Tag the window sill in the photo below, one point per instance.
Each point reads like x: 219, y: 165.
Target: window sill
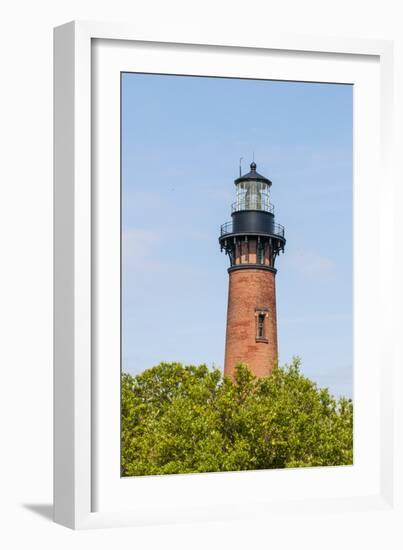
x: 264, y: 340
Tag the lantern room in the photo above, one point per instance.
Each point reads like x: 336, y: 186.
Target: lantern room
x: 252, y: 192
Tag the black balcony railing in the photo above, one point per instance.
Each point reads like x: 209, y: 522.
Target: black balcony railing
x: 277, y: 229
x: 226, y: 228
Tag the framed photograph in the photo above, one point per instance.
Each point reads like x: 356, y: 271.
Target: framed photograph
x: 224, y: 282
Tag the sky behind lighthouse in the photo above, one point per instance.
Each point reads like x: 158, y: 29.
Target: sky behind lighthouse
x: 182, y: 138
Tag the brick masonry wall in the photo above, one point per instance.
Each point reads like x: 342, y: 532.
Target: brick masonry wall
x: 251, y: 291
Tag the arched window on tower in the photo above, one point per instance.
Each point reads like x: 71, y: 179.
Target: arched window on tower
x: 261, y: 321
x: 260, y: 325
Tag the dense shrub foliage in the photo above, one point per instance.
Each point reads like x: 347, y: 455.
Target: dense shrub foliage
x: 182, y: 419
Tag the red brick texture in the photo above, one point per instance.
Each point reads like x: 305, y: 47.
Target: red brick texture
x: 251, y: 292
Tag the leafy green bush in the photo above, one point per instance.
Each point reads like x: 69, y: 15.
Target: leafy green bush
x: 183, y: 419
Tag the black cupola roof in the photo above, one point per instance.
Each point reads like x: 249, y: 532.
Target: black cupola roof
x: 253, y: 176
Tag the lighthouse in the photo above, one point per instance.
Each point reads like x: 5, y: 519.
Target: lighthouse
x: 252, y: 240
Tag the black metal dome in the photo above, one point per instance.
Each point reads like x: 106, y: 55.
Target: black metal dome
x: 253, y: 176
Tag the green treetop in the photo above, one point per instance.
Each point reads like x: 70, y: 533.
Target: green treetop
x: 183, y: 419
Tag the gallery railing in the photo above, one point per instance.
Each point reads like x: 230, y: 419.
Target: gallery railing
x: 277, y: 229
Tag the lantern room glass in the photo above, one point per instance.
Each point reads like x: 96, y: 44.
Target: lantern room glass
x: 252, y: 195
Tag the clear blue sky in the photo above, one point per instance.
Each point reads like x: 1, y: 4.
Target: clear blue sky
x: 182, y: 138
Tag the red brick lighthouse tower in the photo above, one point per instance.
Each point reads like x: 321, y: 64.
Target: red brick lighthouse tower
x: 252, y: 241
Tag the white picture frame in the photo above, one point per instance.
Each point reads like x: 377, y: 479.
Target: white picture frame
x: 88, y: 491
